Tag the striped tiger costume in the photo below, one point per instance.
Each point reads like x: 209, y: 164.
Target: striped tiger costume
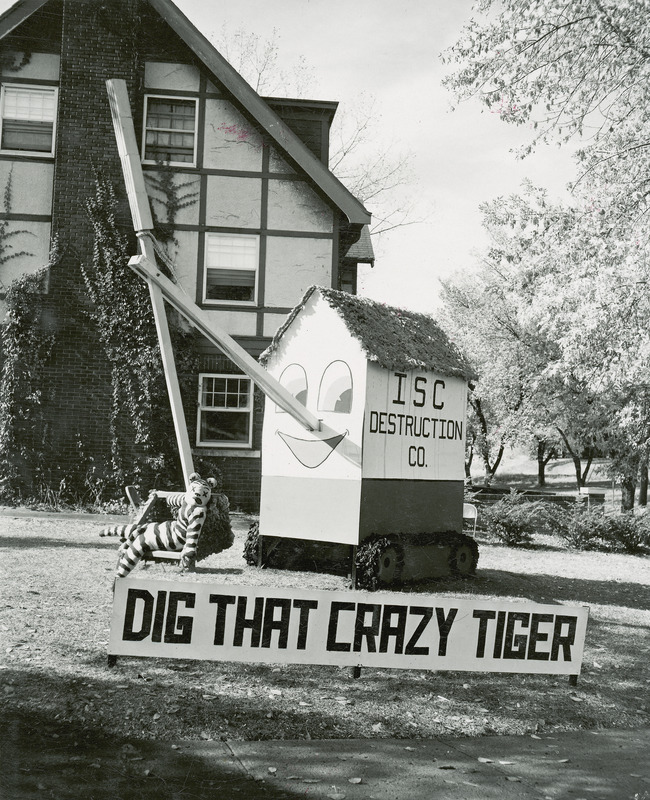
x: 180, y: 533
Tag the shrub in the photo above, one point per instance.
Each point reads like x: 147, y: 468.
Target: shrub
x: 586, y: 529
x: 626, y: 533
x: 513, y: 519
x: 581, y: 528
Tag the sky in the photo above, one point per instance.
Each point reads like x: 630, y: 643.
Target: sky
x: 391, y: 52
x: 460, y: 158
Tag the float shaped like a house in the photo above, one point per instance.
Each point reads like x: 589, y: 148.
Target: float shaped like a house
x: 386, y: 468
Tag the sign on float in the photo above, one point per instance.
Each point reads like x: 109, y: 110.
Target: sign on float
x: 161, y: 619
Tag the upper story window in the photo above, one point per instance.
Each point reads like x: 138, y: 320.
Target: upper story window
x: 170, y: 130
x: 28, y: 117
x: 231, y: 264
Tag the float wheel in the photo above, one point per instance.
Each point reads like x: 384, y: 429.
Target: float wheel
x: 464, y: 558
x: 252, y: 545
x: 379, y: 563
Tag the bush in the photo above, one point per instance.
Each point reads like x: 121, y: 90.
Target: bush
x: 513, y: 519
x: 585, y: 529
x: 626, y: 533
x: 581, y: 528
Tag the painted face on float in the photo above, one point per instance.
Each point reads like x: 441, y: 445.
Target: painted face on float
x: 335, y: 394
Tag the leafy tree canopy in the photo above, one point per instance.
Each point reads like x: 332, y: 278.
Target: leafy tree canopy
x: 573, y: 71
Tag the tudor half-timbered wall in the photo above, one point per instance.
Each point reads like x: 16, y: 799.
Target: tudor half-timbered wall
x: 248, y: 232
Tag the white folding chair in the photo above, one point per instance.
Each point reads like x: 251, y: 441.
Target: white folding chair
x: 470, y: 513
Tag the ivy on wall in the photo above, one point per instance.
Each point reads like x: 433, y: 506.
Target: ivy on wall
x: 26, y: 346
x: 173, y: 197
x: 142, y: 437
x: 143, y: 445
x: 7, y: 251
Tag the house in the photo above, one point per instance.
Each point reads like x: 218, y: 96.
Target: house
x: 242, y: 183
x: 391, y: 391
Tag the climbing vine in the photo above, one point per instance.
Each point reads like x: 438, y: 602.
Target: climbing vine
x: 140, y: 422
x: 7, y: 251
x: 173, y: 198
x: 26, y: 345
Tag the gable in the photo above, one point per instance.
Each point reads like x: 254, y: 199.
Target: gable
x: 269, y: 122
x: 242, y: 95
x: 393, y: 338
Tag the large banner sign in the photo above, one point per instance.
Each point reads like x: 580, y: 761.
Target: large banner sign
x: 294, y: 626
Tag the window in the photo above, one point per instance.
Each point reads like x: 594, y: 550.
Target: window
x: 28, y: 115
x: 231, y: 268
x: 225, y: 411
x: 348, y: 279
x: 170, y: 130
x: 335, y: 393
x: 294, y: 380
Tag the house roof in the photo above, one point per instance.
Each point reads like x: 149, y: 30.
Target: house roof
x: 241, y: 92
x: 17, y: 14
x: 394, y: 338
x: 361, y: 251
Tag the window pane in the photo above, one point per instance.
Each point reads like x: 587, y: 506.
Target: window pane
x: 224, y: 413
x: 28, y: 119
x: 224, y: 427
x: 231, y: 268
x: 166, y: 119
x: 219, y: 288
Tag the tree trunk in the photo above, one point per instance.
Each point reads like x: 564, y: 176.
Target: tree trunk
x: 585, y: 471
x: 484, y: 448
x: 643, y: 481
x: 543, y: 458
x: 541, y: 464
x: 577, y: 465
x: 628, y: 486
x: 469, y: 457
x: 490, y: 470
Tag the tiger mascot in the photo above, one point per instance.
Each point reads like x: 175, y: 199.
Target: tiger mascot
x: 180, y: 533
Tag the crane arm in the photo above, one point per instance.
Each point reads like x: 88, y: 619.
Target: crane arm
x: 235, y: 352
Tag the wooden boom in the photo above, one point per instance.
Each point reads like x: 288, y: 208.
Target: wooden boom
x: 161, y: 287
x: 235, y: 352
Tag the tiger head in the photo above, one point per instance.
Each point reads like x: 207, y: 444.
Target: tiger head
x: 199, y: 490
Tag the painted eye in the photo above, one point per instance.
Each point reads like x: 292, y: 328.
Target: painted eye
x: 335, y: 393
x: 294, y: 380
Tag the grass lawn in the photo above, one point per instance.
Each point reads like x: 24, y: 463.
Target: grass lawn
x: 55, y: 615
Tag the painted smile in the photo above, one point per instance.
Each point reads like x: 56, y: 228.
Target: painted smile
x: 311, y: 453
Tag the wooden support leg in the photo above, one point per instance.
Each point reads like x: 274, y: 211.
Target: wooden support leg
x: 353, y: 567
x: 573, y: 680
x: 111, y: 660
x: 356, y: 671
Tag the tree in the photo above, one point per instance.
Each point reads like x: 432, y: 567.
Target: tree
x: 573, y: 72
x: 578, y: 73
x: 478, y: 315
x: 375, y: 171
x: 546, y: 335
